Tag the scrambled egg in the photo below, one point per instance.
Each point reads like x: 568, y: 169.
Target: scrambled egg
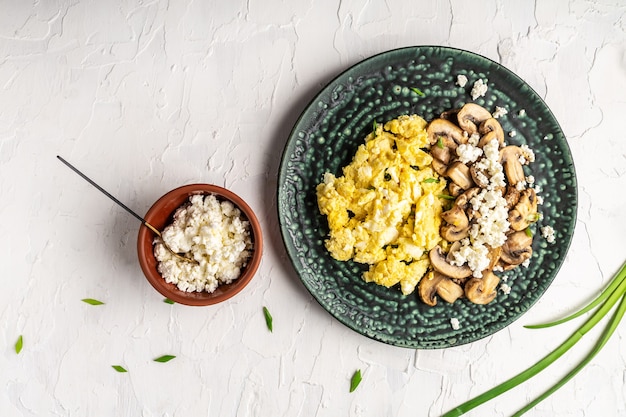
x: 385, y: 210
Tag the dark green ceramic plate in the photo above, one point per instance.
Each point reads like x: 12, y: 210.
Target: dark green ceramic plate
x: 326, y: 137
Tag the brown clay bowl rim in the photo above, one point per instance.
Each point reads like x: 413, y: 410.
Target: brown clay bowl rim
x: 160, y: 215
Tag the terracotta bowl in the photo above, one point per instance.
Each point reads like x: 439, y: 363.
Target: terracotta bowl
x: 160, y: 215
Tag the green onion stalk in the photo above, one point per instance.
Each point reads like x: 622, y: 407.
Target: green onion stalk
x: 615, y: 291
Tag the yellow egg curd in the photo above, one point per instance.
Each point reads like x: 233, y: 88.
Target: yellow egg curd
x: 385, y: 209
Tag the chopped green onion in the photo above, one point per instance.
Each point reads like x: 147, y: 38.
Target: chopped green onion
x: 119, y: 368
x: 446, y: 197
x: 374, y: 126
x: 533, y: 217
x: 608, y: 300
x: 529, y: 232
x: 164, y: 358
x: 92, y: 302
x: 168, y: 301
x: 387, y: 176
x: 440, y: 142
x: 418, y: 91
x: 268, y: 319
x: 356, y: 380
x: 371, y: 187
x: 431, y: 180
x: 19, y: 344
x: 415, y: 167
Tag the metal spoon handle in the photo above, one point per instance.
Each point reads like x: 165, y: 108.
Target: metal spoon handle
x: 105, y: 192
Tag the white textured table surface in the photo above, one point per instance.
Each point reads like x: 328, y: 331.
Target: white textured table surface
x: 148, y: 95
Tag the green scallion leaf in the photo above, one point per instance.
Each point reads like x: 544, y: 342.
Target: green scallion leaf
x: 92, y: 302
x: 168, y: 301
x: 415, y: 167
x: 19, y: 344
x: 619, y: 278
x: 119, y: 368
x: 430, y: 180
x: 440, y: 143
x: 418, y: 91
x: 268, y: 319
x: 164, y: 358
x: 374, y: 126
x: 615, y: 320
x: 529, y: 232
x: 356, y: 380
x: 619, y: 292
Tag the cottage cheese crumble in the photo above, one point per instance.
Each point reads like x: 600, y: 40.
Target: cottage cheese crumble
x: 479, y: 89
x: 491, y: 227
x: 548, y: 233
x: 454, y: 322
x: 215, y: 234
x: 500, y: 111
x: 461, y: 80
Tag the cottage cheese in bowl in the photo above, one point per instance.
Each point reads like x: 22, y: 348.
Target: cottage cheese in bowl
x: 215, y: 234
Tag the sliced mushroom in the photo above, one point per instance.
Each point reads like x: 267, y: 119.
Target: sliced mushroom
x: 510, y: 159
x: 449, y: 290
x: 464, y: 199
x: 517, y: 248
x: 491, y: 125
x: 479, y: 177
x: 440, y: 264
x: 454, y: 189
x: 457, y: 224
x: 450, y: 115
x: 485, y: 139
x: 455, y: 217
x: 490, y: 129
x: 445, y: 129
x: 494, y: 256
x: 453, y: 248
x: 482, y: 290
x: 445, y: 151
x: 512, y: 196
x: 460, y: 174
x: 427, y: 288
x: 525, y: 211
x: 471, y: 116
x: 452, y: 233
x: 439, y: 167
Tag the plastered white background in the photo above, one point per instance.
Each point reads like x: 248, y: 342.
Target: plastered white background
x: 145, y: 96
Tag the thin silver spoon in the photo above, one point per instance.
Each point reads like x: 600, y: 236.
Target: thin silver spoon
x: 138, y: 217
